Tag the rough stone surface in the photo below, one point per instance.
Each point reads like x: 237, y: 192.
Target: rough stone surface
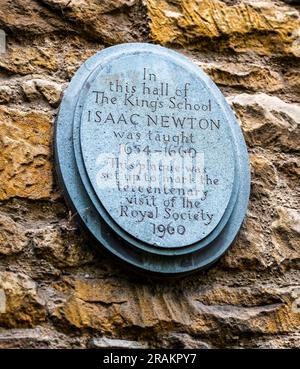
x: 61, y: 247
x: 286, y: 235
x: 5, y: 94
x: 26, y: 60
x: 105, y: 342
x: 25, y: 166
x: 260, y: 26
x: 49, y: 90
x: 12, y: 236
x: 268, y: 121
x: 56, y: 289
x: 252, y: 77
x: 23, y: 305
x: 38, y: 337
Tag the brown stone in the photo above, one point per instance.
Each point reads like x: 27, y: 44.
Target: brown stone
x: 264, y: 175
x: 244, y: 76
x: 25, y: 166
x: 264, y: 310
x: 269, y: 319
x: 290, y: 167
x: 23, y: 306
x: 62, y: 246
x: 35, y: 88
x: 268, y: 122
x: 30, y: 90
x: 12, y: 236
x: 51, y: 91
x: 73, y: 59
x: 37, y: 338
x: 243, y: 296
x: 5, y: 94
x: 286, y: 341
x: 111, y: 292
x: 292, y: 77
x: 30, y: 17
x: 263, y: 27
x: 182, y: 341
x: 286, y: 236
x: 250, y: 248
x: 107, y: 305
x: 110, y: 21
x: 25, y: 59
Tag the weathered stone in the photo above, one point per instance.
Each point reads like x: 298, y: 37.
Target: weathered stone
x: 30, y: 90
x: 292, y: 77
x: 286, y: 235
x: 183, y: 341
x: 290, y: 167
x: 2, y: 302
x: 241, y: 296
x: 24, y: 307
x: 38, y: 337
x: 111, y: 21
x: 74, y: 58
x: 25, y: 60
x: 107, y: 304
x: 62, y: 246
x: 50, y: 90
x: 12, y: 236
x: 105, y: 342
x: 25, y: 167
x: 249, y: 250
x: 151, y: 308
x: 262, y: 27
x: 272, y: 314
x: 268, y: 122
x: 274, y: 342
x: 110, y: 292
x: 5, y: 94
x: 30, y: 17
x: 36, y: 88
x: 244, y: 76
x: 41, y: 270
x: 264, y: 175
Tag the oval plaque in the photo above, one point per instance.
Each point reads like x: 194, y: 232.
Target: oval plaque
x: 152, y: 158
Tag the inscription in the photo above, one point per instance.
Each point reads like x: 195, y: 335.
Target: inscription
x: 157, y: 149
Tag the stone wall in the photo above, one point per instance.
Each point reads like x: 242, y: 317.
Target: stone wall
x: 56, y: 289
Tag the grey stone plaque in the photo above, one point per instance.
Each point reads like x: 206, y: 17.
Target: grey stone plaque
x: 152, y: 159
